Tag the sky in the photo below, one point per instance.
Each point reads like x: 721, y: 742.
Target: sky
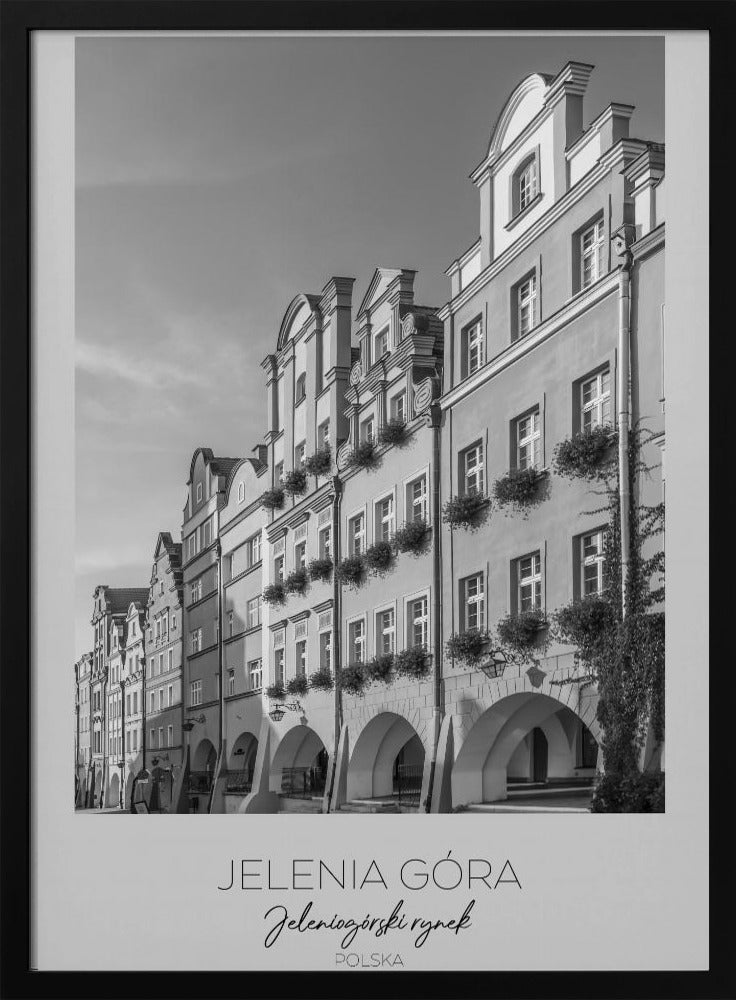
x: 216, y: 178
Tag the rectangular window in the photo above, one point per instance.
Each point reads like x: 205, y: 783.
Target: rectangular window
x: 278, y: 473
x: 323, y: 435
x: 380, y: 344
x: 254, y: 612
x: 195, y: 692
x: 356, y: 641
x: 152, y: 702
x: 299, y: 454
x: 300, y: 555
x: 135, y: 739
x: 278, y: 569
x: 528, y: 441
x: 161, y: 737
x: 366, y: 430
x: 153, y: 739
x: 301, y: 658
x: 160, y: 699
x: 230, y: 623
x: 325, y: 542
x: 231, y: 682
x: 595, y: 400
x: 529, y: 583
x: 386, y: 631
x: 171, y: 694
x: 416, y: 500
x: 278, y: 666
x: 473, y: 602
x: 474, y: 348
x: 195, y: 591
x: 196, y: 640
x: 592, y: 561
x: 398, y: 407
x: 170, y: 734
x: 160, y: 663
x: 254, y: 550
x: 385, y: 525
x: 526, y: 305
x: 592, y: 245
x: 170, y: 660
x: 135, y: 703
x: 325, y: 650
x: 418, y: 622
x: 356, y: 534
x: 255, y: 673
x: 300, y: 391
x: 527, y: 182
x: 471, y: 469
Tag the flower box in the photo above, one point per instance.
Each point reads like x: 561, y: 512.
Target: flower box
x: 274, y: 593
x: 584, y: 455
x: 380, y: 669
x: 295, y: 481
x: 468, y: 646
x: 274, y: 498
x: 320, y: 463
x: 353, y: 678
x: 379, y: 557
x: 364, y: 455
x: 518, y: 488
x: 521, y: 633
x: 296, y: 582
x: 351, y: 571
x: 322, y: 680
x: 276, y: 692
x: 393, y: 432
x: 466, y: 510
x: 320, y: 569
x: 412, y: 662
x: 412, y: 537
x: 298, y: 685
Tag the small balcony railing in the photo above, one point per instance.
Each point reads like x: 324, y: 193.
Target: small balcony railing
x: 303, y: 782
x: 408, y: 783
x: 199, y: 783
x: 239, y: 782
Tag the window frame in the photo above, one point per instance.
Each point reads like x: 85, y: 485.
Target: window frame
x: 381, y: 631
x: 410, y: 620
x: 531, y: 440
x: 473, y: 338
x: 596, y: 251
x: 523, y: 301
x: 478, y: 473
x: 535, y: 579
x: 380, y: 521
x: 357, y: 644
x: 602, y: 400
x: 478, y: 599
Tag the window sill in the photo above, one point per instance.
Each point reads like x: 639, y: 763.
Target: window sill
x: 512, y: 223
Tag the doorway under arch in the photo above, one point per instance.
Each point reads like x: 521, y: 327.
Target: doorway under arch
x: 388, y: 760
x: 299, y: 766
x: 113, y: 791
x: 241, y: 764
x: 525, y: 737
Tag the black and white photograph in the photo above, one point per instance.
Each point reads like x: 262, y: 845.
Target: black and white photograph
x: 370, y: 459
x: 363, y: 472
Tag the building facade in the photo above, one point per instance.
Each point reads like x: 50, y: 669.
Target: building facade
x: 406, y: 504
x: 82, y: 728
x: 160, y: 705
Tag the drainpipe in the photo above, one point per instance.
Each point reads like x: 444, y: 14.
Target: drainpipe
x: 438, y: 703
x: 123, y: 684
x: 623, y: 406
x: 336, y: 619
x: 221, y: 750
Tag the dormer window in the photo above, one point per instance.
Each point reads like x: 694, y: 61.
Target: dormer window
x: 301, y: 388
x: 381, y: 344
x: 525, y: 184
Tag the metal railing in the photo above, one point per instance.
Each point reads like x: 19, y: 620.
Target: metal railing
x: 408, y: 783
x: 239, y: 781
x: 303, y: 782
x: 199, y: 783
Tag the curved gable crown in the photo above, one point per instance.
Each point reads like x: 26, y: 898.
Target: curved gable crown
x: 300, y: 309
x: 524, y: 104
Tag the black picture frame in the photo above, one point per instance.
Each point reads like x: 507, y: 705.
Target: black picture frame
x: 18, y: 19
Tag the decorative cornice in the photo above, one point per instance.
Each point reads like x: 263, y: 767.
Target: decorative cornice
x: 648, y: 244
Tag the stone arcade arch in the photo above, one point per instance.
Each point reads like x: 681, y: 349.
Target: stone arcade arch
x: 241, y: 763
x: 500, y: 745
x: 299, y: 764
x: 371, y: 769
x: 113, y: 791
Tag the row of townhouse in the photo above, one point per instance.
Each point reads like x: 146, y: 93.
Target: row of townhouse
x: 323, y: 577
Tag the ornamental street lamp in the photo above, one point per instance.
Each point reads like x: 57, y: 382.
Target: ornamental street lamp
x: 493, y: 661
x: 278, y: 711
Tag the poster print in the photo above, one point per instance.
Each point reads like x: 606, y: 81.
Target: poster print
x: 370, y: 488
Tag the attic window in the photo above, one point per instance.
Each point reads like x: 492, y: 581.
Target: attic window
x: 241, y: 491
x: 301, y: 388
x: 524, y: 185
x: 199, y: 492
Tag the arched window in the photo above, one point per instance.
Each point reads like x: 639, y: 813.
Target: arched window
x: 301, y: 388
x: 524, y: 184
x: 241, y: 491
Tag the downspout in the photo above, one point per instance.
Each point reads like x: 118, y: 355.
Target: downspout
x: 143, y: 720
x: 123, y: 685
x: 221, y: 706
x: 438, y: 700
x: 336, y: 619
x: 624, y: 418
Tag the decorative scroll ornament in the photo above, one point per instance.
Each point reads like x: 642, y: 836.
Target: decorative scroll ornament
x: 356, y: 373
x: 407, y: 325
x: 342, y: 455
x: 535, y: 675
x: 423, y: 395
